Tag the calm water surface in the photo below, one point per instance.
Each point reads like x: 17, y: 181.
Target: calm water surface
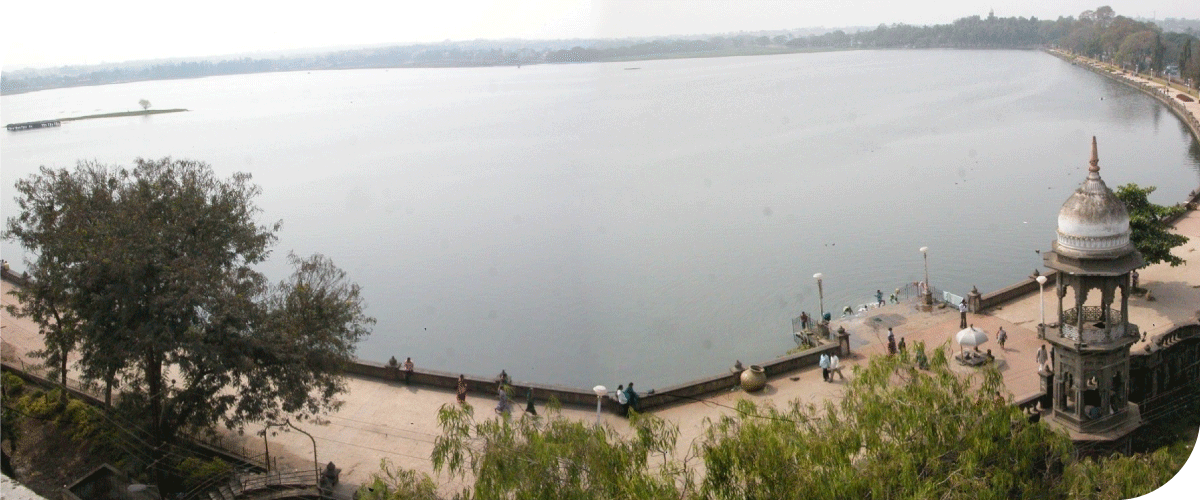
x: 584, y: 224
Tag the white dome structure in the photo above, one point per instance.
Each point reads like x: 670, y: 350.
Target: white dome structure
x: 1093, y: 223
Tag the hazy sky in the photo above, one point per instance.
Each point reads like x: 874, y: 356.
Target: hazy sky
x: 54, y: 33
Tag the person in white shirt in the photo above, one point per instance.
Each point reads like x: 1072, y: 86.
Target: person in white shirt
x: 835, y: 367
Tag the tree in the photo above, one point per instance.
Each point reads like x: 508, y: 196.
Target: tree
x: 144, y: 103
x: 898, y: 432
x: 155, y: 267
x: 1149, y: 234
x: 1185, y: 57
x: 556, y: 458
x: 52, y: 206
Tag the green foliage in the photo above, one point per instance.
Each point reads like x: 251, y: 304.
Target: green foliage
x: 1119, y: 476
x: 43, y: 405
x: 392, y: 483
x: 198, y: 471
x: 898, y: 432
x: 83, y: 420
x: 552, y: 457
x: 12, y: 385
x: 144, y: 269
x: 1149, y: 234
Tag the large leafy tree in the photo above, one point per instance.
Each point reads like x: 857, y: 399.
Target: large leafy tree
x: 1149, y: 234
x: 149, y: 274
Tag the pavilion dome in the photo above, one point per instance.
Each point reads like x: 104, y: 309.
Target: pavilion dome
x: 1093, y: 223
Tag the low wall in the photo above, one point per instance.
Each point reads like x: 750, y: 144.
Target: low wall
x: 577, y: 397
x: 1011, y: 292
x: 7, y: 275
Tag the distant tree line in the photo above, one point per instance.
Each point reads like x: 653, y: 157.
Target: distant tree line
x: 1096, y: 33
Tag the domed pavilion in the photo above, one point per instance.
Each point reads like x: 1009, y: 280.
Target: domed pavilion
x: 1094, y: 258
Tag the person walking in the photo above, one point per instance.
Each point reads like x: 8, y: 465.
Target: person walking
x: 408, y: 370
x: 1001, y: 337
x: 461, y: 392
x: 803, y: 320
x: 835, y: 366
x: 1041, y: 356
x: 623, y: 400
x: 824, y: 367
x: 962, y: 313
x: 503, y: 405
x: 903, y: 346
x: 529, y: 403
x: 879, y: 298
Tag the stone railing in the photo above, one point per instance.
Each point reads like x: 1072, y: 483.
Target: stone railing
x: 1093, y: 335
x: 581, y: 397
x: 1090, y: 313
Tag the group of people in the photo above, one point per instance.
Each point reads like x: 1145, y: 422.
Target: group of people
x: 628, y: 398
x: 972, y: 357
x: 407, y: 368
x: 829, y: 366
x: 1043, y: 356
x: 892, y: 346
x: 503, y: 390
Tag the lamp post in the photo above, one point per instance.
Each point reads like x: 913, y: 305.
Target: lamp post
x: 600, y: 392
x: 821, y: 294
x: 927, y: 296
x: 1042, y: 299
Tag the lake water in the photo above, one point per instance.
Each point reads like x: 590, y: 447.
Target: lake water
x: 584, y: 224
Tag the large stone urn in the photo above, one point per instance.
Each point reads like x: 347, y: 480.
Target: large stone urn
x: 754, y: 379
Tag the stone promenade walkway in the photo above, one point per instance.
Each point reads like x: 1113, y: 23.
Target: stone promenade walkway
x: 389, y: 420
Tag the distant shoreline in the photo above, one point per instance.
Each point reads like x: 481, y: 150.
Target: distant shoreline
x: 54, y: 122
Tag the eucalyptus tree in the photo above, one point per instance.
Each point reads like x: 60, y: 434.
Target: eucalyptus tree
x: 553, y: 457
x: 898, y: 432
x: 152, y: 269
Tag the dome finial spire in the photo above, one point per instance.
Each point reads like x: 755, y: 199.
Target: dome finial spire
x: 1095, y: 161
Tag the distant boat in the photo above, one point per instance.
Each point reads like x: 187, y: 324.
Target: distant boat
x: 631, y: 68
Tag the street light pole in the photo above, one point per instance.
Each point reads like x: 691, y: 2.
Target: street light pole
x: 927, y: 297
x: 600, y: 392
x: 1042, y: 299
x: 821, y: 294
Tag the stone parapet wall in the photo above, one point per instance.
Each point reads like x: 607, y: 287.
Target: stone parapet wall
x: 684, y: 392
x: 1012, y: 292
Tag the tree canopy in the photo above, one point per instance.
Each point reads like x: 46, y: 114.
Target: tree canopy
x: 148, y: 274
x: 1149, y: 234
x: 897, y: 432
